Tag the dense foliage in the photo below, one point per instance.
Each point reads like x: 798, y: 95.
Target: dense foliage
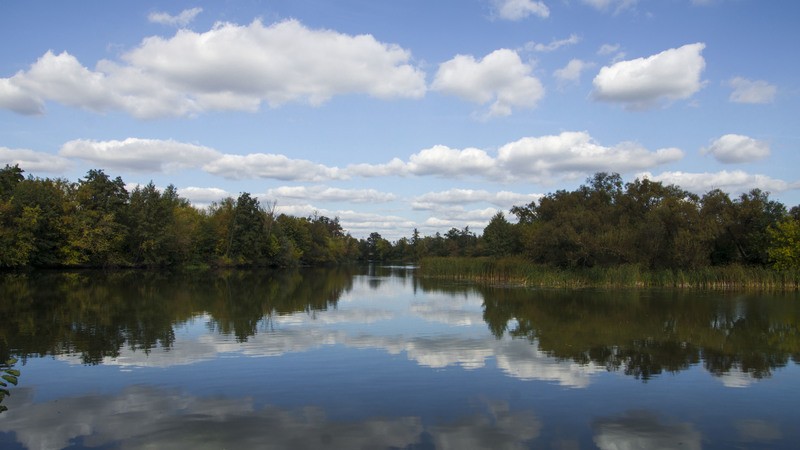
x: 96, y: 222
x: 603, y: 223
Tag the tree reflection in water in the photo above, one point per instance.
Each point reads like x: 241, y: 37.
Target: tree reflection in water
x: 641, y: 333
x: 645, y: 333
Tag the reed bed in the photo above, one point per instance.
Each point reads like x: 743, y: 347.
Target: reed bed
x: 519, y: 271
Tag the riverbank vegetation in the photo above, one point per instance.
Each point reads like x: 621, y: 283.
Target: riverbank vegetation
x: 640, y: 233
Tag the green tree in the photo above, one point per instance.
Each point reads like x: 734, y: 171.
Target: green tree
x: 10, y: 176
x: 785, y: 248
x: 97, y: 230
x: 753, y: 215
x: 500, y: 237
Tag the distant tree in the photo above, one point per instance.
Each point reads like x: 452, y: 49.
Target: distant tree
x: 10, y: 176
x: 500, y: 236
x: 785, y: 248
x: 97, y: 231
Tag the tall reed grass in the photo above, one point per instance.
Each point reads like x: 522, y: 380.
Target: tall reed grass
x: 519, y: 271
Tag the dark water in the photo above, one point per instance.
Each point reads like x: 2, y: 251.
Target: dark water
x: 374, y: 358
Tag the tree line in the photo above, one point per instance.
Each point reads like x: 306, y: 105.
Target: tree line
x: 96, y: 222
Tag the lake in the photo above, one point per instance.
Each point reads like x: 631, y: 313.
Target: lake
x: 373, y: 357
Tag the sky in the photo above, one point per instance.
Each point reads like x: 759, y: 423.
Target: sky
x: 394, y: 115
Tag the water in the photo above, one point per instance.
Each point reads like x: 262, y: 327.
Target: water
x: 375, y: 358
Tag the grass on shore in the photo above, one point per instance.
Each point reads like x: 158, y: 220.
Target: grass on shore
x: 518, y: 271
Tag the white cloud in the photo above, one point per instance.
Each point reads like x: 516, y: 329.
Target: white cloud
x: 503, y: 199
x: 607, y: 49
x: 201, y: 197
x: 733, y: 182
x: 519, y: 9
x: 540, y: 158
x: 329, y: 194
x: 735, y: 148
x: 230, y: 67
x: 274, y: 166
x: 537, y: 159
x: 184, y: 18
x: 445, y: 161
x: 459, y: 217
x: 282, y: 62
x: 60, y: 78
x: 552, y: 46
x: 15, y: 98
x: 362, y: 224
x: 500, y: 77
x: 571, y: 73
x: 605, y: 5
x: 643, y: 82
x: 33, y: 161
x: 748, y: 91
x: 140, y: 154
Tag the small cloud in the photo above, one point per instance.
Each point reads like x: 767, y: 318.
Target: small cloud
x: 519, y: 9
x: 553, y: 45
x: 181, y: 20
x: 607, y: 49
x: 500, y: 77
x: 571, y: 73
x: 735, y: 148
x: 617, y: 5
x: 643, y: 82
x: 748, y: 91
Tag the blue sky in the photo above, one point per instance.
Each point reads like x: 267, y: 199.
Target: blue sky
x: 393, y: 115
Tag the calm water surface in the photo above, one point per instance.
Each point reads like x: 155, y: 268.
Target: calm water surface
x: 375, y: 358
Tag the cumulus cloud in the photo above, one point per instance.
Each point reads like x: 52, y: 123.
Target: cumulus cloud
x: 14, y: 98
x: 33, y: 161
x: 140, y: 154
x: 445, y: 161
x: 571, y: 73
x: 642, y: 83
x: 269, y: 165
x: 531, y: 158
x: 230, y: 67
x: 519, y: 9
x: 732, y: 182
x: 749, y: 91
x: 59, y: 78
x: 540, y: 158
x: 537, y: 159
x: 500, y: 78
x: 184, y: 18
x: 552, y: 46
x: 735, y: 148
